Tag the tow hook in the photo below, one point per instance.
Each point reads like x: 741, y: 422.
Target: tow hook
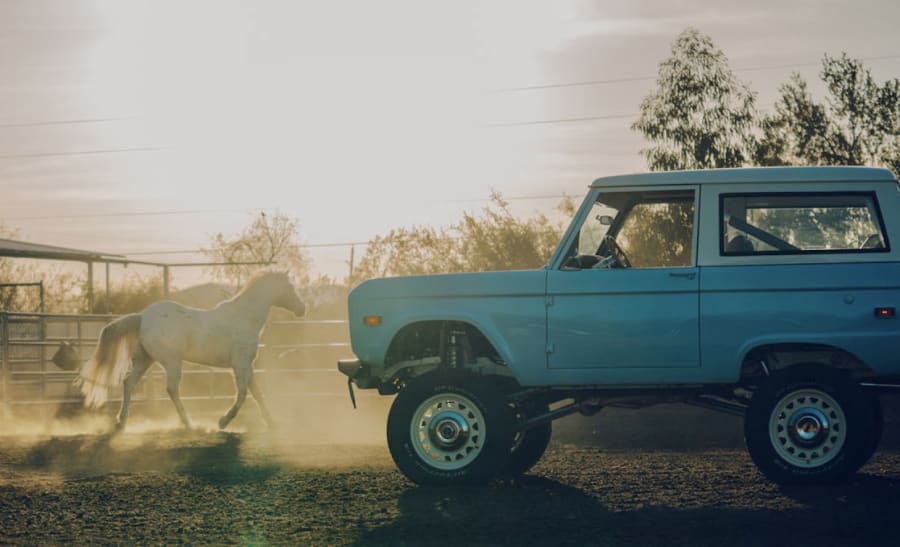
x: 350, y: 368
x: 350, y: 389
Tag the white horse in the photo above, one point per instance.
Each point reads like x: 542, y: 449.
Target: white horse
x: 167, y: 332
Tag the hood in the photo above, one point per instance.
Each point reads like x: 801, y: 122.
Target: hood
x: 453, y: 285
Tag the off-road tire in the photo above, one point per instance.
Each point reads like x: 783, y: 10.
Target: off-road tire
x: 874, y: 432
x: 529, y: 445
x: 808, y: 424
x: 450, y: 427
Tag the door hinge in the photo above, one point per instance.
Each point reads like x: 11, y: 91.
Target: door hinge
x: 551, y: 348
x: 549, y: 301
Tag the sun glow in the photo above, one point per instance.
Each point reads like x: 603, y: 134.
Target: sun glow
x: 354, y: 118
x: 261, y: 106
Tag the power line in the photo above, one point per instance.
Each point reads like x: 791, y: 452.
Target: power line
x: 255, y: 210
x: 63, y: 122
x: 138, y: 213
x: 621, y: 80
x: 221, y: 211
x: 573, y: 84
x: 610, y: 81
x: 346, y: 244
x: 333, y: 244
x: 82, y: 152
x: 512, y: 198
x: 174, y: 252
x: 561, y: 120
x: 585, y: 83
x: 195, y: 251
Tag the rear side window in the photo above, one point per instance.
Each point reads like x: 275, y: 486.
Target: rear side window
x: 801, y: 224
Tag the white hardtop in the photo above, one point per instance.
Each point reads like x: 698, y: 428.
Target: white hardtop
x: 745, y: 175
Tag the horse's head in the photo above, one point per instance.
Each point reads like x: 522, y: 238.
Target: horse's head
x: 286, y: 296
x: 274, y: 289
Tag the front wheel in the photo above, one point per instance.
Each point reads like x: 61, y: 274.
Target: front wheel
x: 874, y: 432
x: 450, y: 428
x: 528, y: 445
x: 807, y: 425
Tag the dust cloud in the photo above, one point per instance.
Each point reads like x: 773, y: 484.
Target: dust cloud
x: 316, y: 424
x: 311, y: 433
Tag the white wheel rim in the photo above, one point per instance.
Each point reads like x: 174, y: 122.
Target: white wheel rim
x: 448, y: 431
x: 807, y: 428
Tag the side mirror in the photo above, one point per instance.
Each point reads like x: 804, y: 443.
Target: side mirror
x: 571, y: 263
x: 605, y: 220
x: 581, y: 262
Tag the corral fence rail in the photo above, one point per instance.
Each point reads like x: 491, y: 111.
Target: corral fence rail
x: 296, y: 358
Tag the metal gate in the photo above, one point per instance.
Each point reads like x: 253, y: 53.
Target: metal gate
x: 291, y: 353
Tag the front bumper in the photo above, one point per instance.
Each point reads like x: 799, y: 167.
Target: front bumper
x: 349, y: 367
x: 357, y: 372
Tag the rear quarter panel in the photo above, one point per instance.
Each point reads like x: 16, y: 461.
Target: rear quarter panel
x: 743, y: 307
x: 747, y: 301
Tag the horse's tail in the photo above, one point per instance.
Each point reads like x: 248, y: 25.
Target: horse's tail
x: 111, y: 360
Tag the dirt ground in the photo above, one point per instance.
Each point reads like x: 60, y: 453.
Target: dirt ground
x: 155, y: 484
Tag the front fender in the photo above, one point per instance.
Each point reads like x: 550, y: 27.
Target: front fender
x: 508, y: 308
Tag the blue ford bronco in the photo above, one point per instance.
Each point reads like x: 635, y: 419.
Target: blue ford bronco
x: 770, y: 293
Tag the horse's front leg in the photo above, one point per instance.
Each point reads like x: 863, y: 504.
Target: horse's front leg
x: 258, y: 396
x: 173, y: 380
x: 242, y: 377
x: 242, y: 364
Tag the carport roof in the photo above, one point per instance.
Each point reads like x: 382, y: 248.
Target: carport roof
x: 23, y: 249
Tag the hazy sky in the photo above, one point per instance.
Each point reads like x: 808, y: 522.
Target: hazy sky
x: 353, y: 117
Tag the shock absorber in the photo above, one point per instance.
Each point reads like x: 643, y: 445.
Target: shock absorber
x: 459, y: 351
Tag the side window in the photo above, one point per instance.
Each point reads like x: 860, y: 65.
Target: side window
x: 801, y: 223
x: 652, y: 229
x: 658, y: 233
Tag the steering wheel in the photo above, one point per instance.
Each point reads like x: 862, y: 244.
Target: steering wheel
x: 617, y: 252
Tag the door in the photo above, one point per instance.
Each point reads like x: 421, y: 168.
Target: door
x: 634, y: 303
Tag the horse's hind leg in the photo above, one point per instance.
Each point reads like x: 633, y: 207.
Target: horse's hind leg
x: 258, y: 396
x: 173, y: 380
x: 139, y: 365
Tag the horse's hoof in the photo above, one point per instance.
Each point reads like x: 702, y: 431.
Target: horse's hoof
x: 118, y: 428
x: 223, y: 422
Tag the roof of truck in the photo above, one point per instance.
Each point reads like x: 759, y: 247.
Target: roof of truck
x: 778, y: 175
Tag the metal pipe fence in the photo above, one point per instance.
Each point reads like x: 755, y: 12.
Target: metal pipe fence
x: 292, y: 353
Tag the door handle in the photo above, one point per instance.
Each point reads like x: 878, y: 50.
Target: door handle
x: 686, y: 275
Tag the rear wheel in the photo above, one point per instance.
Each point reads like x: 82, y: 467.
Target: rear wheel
x: 450, y: 428
x: 808, y: 425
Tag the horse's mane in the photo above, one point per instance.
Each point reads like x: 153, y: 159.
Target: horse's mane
x: 254, y: 280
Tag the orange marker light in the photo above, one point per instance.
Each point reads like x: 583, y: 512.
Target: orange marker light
x: 372, y: 320
x: 885, y: 313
